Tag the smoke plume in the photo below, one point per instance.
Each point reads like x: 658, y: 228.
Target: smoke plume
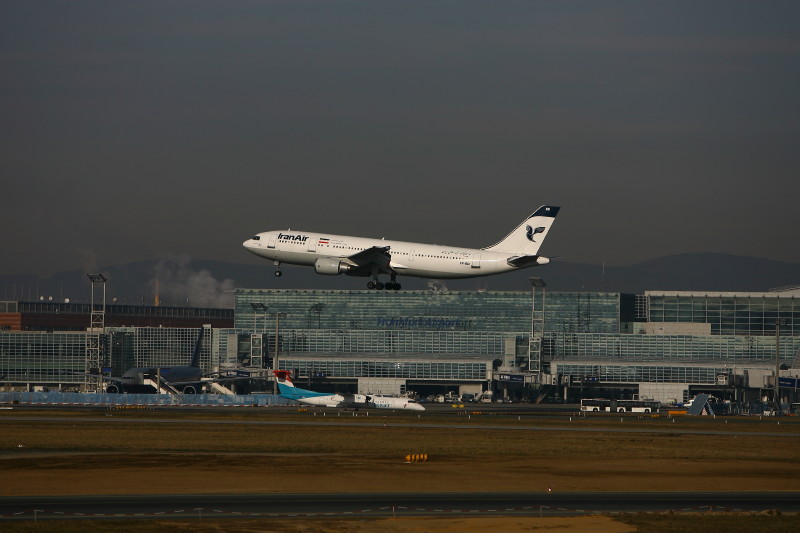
x: 175, y: 283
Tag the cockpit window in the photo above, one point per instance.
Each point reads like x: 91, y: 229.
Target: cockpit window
x: 256, y: 237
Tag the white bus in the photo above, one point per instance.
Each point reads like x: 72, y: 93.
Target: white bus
x: 620, y: 406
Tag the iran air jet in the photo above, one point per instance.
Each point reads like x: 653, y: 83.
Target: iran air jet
x: 359, y: 256
x: 353, y: 401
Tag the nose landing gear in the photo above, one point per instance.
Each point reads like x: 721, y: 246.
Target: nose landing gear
x: 278, y: 272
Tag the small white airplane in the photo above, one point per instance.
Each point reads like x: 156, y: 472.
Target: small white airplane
x: 353, y: 401
x: 360, y: 256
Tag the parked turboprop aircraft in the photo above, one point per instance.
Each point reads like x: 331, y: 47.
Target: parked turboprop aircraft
x: 356, y: 401
x: 359, y: 256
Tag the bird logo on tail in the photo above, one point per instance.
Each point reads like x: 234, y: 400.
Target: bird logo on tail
x: 530, y: 232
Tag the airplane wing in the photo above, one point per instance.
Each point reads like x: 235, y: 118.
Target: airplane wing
x: 377, y: 256
x: 220, y: 379
x: 228, y: 374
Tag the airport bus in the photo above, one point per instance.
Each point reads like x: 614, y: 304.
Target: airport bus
x: 620, y: 406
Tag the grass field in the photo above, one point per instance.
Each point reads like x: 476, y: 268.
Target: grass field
x: 122, y: 452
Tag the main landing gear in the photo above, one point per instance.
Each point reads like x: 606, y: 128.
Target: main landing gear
x: 390, y: 286
x: 278, y: 272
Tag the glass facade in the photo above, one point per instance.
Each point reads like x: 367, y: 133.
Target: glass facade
x: 145, y: 347
x: 58, y: 357
x: 428, y: 311
x: 42, y: 357
x: 741, y: 349
x: 425, y: 335
x: 634, y: 373
x: 439, y: 370
x: 392, y: 342
x: 753, y: 314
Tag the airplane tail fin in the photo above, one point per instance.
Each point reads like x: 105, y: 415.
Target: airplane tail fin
x: 526, y: 238
x: 284, y: 377
x: 198, y: 347
x: 288, y: 390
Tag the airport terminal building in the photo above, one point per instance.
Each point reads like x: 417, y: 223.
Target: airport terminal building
x: 534, y: 345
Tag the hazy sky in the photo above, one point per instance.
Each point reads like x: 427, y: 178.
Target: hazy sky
x: 139, y: 130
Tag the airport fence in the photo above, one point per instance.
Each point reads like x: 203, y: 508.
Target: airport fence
x: 149, y: 400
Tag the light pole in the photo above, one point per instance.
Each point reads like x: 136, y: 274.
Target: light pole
x: 93, y: 365
x: 778, y: 323
x: 277, y: 316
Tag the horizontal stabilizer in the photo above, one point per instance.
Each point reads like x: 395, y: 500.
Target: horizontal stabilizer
x: 522, y: 261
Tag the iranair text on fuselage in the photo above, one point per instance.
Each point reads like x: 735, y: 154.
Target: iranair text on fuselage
x: 294, y: 238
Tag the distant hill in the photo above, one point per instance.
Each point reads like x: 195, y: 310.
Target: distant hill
x: 203, y: 283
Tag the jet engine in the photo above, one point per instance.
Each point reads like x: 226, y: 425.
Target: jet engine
x: 113, y: 389
x: 189, y: 389
x: 331, y: 266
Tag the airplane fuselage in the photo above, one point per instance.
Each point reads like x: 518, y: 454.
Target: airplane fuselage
x: 407, y: 258
x: 362, y: 401
x: 352, y: 401
x: 361, y: 256
x: 136, y: 376
x: 137, y: 380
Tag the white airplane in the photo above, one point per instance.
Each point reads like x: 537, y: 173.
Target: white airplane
x: 360, y: 256
x: 355, y: 401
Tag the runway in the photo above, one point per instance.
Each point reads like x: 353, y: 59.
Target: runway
x: 620, y: 426
x: 388, y: 504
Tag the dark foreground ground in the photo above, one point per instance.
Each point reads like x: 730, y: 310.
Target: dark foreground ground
x: 468, y: 449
